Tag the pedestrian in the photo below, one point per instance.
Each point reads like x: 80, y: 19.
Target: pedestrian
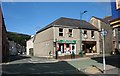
x: 73, y: 54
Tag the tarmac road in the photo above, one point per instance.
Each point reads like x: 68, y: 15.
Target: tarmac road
x: 37, y: 65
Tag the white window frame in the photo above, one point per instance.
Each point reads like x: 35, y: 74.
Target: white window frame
x: 72, y: 32
x: 61, y: 32
x: 93, y: 34
x: 85, y: 35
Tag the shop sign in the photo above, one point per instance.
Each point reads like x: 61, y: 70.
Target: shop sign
x: 67, y: 41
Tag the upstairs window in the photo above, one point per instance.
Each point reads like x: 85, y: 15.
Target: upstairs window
x: 85, y: 34
x: 92, y: 34
x: 60, y: 31
x: 70, y: 33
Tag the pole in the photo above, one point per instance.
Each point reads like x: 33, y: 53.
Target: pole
x: 81, y: 13
x: 103, y: 51
x: 56, y: 51
x: 80, y: 39
x: 81, y: 36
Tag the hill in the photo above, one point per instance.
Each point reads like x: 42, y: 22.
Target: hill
x: 18, y: 38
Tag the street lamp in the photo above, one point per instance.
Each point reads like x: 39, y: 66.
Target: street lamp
x: 81, y: 13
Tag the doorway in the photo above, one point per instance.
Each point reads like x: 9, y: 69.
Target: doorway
x: 61, y: 47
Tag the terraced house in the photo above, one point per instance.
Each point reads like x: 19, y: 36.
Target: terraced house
x: 104, y: 24
x: 66, y: 35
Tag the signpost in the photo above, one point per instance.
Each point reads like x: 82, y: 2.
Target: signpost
x: 103, y: 33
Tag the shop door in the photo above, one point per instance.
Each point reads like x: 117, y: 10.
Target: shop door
x: 61, y: 48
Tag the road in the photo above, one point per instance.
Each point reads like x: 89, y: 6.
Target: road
x: 37, y: 65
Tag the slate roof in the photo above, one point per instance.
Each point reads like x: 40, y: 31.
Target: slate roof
x: 69, y: 22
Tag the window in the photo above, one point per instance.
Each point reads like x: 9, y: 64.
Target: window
x: 70, y: 32
x: 92, y: 34
x: 85, y: 34
x: 60, y: 31
x: 67, y: 45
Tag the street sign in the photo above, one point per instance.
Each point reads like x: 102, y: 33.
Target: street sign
x: 104, y: 33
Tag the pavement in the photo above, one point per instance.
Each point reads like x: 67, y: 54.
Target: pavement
x: 94, y: 65
x: 89, y: 66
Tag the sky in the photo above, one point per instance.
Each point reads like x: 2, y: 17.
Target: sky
x: 29, y: 17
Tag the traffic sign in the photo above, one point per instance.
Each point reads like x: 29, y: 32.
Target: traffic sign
x: 104, y: 33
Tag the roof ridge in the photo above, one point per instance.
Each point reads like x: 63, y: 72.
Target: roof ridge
x: 64, y: 21
x: 72, y: 18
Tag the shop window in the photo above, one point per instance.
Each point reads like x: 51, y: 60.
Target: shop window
x: 70, y: 32
x: 85, y: 34
x: 60, y: 31
x: 67, y: 45
x: 92, y: 34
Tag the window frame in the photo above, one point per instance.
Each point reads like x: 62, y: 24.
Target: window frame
x: 70, y: 33
x: 61, y: 32
x: 85, y: 34
x: 92, y: 34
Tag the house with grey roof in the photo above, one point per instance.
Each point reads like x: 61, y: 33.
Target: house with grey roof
x: 104, y: 24
x: 63, y: 36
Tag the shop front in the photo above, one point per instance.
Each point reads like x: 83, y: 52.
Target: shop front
x: 89, y: 47
x: 66, y: 47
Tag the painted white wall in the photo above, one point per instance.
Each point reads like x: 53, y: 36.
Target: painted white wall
x: 29, y: 45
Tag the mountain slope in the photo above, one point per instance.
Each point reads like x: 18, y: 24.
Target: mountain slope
x: 18, y: 38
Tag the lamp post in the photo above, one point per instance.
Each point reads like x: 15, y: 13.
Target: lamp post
x: 81, y: 13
